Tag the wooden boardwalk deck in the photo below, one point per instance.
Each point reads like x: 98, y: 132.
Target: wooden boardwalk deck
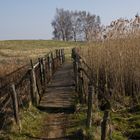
x: 60, y: 92
x: 58, y: 101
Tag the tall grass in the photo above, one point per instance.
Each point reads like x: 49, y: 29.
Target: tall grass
x: 116, y: 68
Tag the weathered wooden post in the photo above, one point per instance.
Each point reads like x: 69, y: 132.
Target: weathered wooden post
x: 80, y: 82
x: 50, y: 65
x: 41, y: 70
x: 53, y: 69
x: 31, y: 88
x: 61, y: 58
x: 76, y: 75
x: 15, y: 106
x: 43, y: 73
x: 90, y: 103
x: 34, y: 85
x: 104, y: 125
x: 106, y: 120
x: 57, y: 57
x: 44, y: 70
x: 75, y: 68
x: 63, y: 55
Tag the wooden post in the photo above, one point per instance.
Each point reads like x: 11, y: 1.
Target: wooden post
x: 44, y: 70
x: 59, y: 61
x: 61, y: 57
x: 41, y: 70
x: 76, y: 76
x: 81, y: 89
x: 31, y: 87
x: 15, y: 106
x: 48, y: 62
x: 52, y: 62
x: 59, y: 54
x: 75, y: 69
x: 50, y: 66
x: 43, y: 73
x: 34, y: 85
x: 80, y: 82
x: 57, y: 57
x: 104, y: 125
x: 90, y: 104
x: 73, y: 53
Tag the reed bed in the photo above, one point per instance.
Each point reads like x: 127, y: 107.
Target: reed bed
x: 116, y: 68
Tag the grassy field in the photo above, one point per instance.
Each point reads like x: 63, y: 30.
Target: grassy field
x: 15, y: 53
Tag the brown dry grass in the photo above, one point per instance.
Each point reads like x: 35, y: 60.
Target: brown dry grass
x: 116, y: 67
x: 16, y: 53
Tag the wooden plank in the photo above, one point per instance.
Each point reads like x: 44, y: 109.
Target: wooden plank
x: 60, y: 92
x: 15, y: 106
x: 34, y: 85
x: 90, y: 104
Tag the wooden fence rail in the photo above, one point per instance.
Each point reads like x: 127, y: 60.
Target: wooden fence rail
x: 82, y: 73
x: 85, y: 87
x: 26, y: 85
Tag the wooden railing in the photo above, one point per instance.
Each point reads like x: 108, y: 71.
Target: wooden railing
x: 86, y: 89
x: 26, y: 85
x: 83, y: 83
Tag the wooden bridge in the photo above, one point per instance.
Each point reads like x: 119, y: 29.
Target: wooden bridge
x: 60, y: 92
x: 59, y: 101
x: 52, y: 84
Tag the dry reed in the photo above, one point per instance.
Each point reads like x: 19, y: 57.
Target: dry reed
x: 116, y: 68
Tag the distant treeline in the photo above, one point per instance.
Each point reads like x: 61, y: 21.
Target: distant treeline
x: 75, y: 25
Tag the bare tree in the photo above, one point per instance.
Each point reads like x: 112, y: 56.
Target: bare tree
x: 76, y: 25
x: 73, y: 25
x: 62, y: 25
x: 90, y: 25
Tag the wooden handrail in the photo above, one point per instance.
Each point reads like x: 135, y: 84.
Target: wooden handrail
x: 79, y: 70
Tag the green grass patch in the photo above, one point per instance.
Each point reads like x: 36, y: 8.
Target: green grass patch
x: 78, y: 119
x: 32, y: 125
x: 118, y: 136
x: 126, y: 124
x: 133, y: 133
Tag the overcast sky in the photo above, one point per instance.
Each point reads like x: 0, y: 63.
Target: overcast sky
x: 31, y: 19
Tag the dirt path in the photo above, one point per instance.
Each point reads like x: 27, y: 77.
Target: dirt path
x: 57, y: 125
x: 59, y: 101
